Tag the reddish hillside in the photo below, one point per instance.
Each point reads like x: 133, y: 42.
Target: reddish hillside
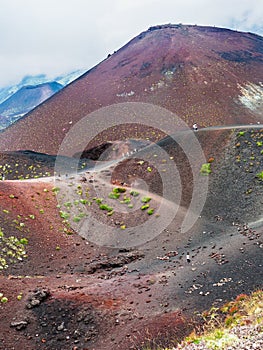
x: 205, y: 74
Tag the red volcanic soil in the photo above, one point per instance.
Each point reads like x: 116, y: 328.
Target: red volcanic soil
x: 78, y: 294
x: 208, y: 75
x: 84, y: 293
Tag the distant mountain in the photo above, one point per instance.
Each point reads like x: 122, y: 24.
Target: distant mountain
x: 7, y: 91
x: 19, y: 99
x: 208, y: 75
x: 25, y: 99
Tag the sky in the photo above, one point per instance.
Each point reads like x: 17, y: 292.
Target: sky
x: 54, y: 37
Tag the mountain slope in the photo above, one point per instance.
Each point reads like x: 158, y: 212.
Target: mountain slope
x: 207, y: 75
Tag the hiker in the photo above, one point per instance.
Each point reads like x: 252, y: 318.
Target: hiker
x: 188, y: 258
x: 195, y: 128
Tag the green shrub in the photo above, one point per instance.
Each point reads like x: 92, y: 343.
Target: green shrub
x: 134, y: 193
x: 99, y: 200
x: 260, y: 175
x: 114, y: 195
x: 119, y: 190
x: 126, y: 200
x: 64, y: 215
x: 241, y: 133
x: 146, y: 199
x: 106, y: 207
x: 205, y: 169
x: 24, y: 241
x: 76, y: 219
x: 55, y: 189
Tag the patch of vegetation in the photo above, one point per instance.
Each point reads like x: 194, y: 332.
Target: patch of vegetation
x: 260, y: 175
x: 206, y: 169
x: 241, y: 133
x: 23, y: 241
x: 134, y: 193
x: 3, y: 299
x: 119, y: 190
x: 146, y: 199
x: 19, y: 296
x: 64, y: 215
x: 150, y: 211
x: 145, y: 206
x: 68, y: 204
x: 77, y: 219
x: 79, y: 191
x: 216, y: 333
x: 98, y: 200
x: 55, y: 190
x: 83, y: 201
x: 12, y: 249
x: 219, y: 321
x: 106, y: 207
x: 126, y: 200
x: 114, y: 195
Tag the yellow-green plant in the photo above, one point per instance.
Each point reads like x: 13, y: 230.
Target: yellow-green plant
x: 205, y: 169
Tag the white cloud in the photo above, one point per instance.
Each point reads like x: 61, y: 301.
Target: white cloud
x: 47, y: 36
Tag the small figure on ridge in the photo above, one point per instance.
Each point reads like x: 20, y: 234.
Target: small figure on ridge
x: 195, y: 128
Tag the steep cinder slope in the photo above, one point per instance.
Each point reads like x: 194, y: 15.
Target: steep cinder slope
x: 209, y: 75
